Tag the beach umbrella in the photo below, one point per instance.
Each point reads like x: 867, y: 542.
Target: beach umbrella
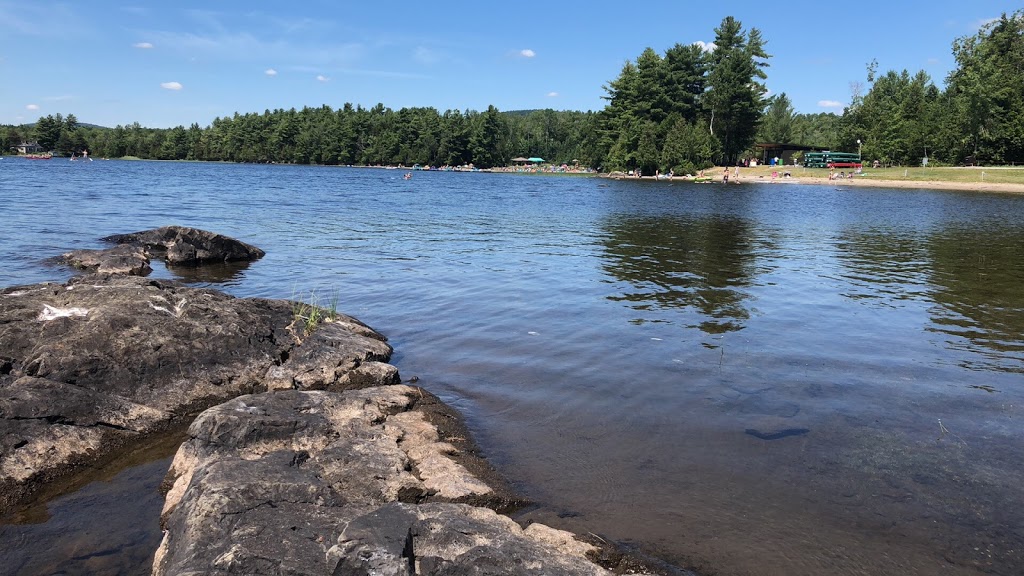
x: 535, y: 159
x: 520, y: 159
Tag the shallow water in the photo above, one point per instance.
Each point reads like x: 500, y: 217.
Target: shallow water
x: 759, y: 379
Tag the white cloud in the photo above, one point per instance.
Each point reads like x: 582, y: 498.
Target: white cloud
x: 143, y: 45
x: 705, y: 46
x: 830, y: 104
x: 171, y: 85
x: 32, y: 107
x: 527, y: 53
x: 270, y: 72
x: 552, y: 94
x: 322, y: 78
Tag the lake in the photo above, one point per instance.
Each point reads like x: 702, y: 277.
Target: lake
x: 753, y: 379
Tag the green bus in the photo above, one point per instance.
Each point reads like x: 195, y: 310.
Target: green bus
x: 831, y: 160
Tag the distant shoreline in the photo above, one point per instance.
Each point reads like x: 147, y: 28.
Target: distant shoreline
x: 762, y: 175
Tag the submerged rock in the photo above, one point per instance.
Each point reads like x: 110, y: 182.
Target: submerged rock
x: 103, y: 362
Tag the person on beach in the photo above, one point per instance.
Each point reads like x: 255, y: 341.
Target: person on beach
x: 725, y: 176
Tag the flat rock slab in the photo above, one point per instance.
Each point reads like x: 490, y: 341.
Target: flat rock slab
x: 103, y: 362
x: 125, y: 259
x: 368, y: 481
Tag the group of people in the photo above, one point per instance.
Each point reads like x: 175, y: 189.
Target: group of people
x: 841, y: 176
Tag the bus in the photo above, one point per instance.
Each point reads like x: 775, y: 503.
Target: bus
x: 828, y: 159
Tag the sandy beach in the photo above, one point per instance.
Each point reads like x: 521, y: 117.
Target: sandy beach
x: 800, y: 176
x: 908, y: 184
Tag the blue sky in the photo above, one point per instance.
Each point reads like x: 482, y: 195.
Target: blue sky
x: 170, y: 63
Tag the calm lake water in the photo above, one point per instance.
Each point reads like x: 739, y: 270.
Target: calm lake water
x: 755, y: 379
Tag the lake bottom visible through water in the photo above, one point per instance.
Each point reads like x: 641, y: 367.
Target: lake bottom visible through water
x: 742, y: 380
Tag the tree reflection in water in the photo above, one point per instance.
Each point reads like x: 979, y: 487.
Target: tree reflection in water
x: 702, y: 264
x: 975, y: 278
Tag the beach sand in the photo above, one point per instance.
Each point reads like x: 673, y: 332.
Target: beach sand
x: 750, y: 176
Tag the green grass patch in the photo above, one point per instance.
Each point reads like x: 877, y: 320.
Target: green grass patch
x: 310, y: 312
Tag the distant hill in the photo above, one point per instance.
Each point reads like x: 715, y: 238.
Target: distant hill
x: 520, y: 112
x: 80, y: 125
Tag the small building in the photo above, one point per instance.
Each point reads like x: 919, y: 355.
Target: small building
x: 784, y: 152
x: 29, y: 148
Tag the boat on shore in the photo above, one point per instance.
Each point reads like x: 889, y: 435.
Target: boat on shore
x: 46, y: 156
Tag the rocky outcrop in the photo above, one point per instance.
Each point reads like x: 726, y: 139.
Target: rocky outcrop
x: 310, y: 457
x: 103, y: 362
x: 189, y: 246
x: 177, y: 245
x: 373, y: 481
x: 125, y: 259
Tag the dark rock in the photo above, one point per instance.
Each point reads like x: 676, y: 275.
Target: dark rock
x: 125, y: 259
x: 189, y: 246
x: 106, y: 361
x: 311, y: 482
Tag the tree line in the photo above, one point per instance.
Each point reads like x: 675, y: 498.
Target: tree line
x: 686, y: 109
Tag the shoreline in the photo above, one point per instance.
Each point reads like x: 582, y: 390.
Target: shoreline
x: 996, y: 187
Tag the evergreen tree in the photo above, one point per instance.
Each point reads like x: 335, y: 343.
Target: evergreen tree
x: 735, y: 97
x: 685, y: 78
x: 777, y: 125
x: 47, y: 131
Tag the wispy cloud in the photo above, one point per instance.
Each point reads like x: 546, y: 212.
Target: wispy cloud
x: 33, y: 19
x: 270, y: 72
x: 425, y: 55
x: 360, y: 72
x: 322, y: 78
x: 171, y: 85
x: 32, y: 107
x: 63, y: 98
x: 527, y: 53
x: 552, y: 94
x: 829, y: 104
x: 705, y: 46
x: 247, y: 47
x: 143, y: 45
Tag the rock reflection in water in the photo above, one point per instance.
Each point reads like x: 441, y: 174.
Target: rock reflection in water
x: 219, y: 273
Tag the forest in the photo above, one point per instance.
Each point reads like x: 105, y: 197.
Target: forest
x: 682, y: 110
